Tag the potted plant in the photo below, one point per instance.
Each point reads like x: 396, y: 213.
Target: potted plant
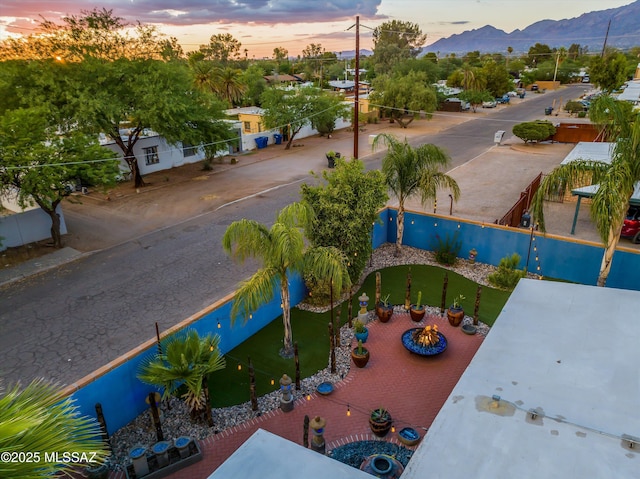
x: 360, y: 355
x: 360, y: 331
x: 417, y: 311
x: 384, y: 309
x: 380, y: 422
x: 455, y: 313
x: 472, y: 255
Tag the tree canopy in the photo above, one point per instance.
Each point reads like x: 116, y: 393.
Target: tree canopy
x: 403, y: 98
x: 395, y: 41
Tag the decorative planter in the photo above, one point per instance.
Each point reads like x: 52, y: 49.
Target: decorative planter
x: 360, y: 360
x: 455, y: 315
x: 417, y: 313
x: 325, y: 388
x: 469, y: 329
x: 409, y: 436
x: 380, y: 422
x: 362, y: 336
x: 161, y: 450
x: 182, y: 445
x: 138, y: 456
x: 383, y: 312
x: 97, y: 472
x: 381, y: 465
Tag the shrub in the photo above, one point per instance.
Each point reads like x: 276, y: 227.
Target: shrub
x: 534, y: 130
x: 447, y: 249
x: 574, y: 107
x: 582, y: 114
x: 507, y: 276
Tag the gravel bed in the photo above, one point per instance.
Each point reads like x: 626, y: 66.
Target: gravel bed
x: 176, y: 422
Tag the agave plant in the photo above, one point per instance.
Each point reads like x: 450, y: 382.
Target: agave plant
x: 187, y: 359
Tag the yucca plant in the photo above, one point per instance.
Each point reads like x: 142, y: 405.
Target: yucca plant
x: 187, y: 359
x: 38, y: 420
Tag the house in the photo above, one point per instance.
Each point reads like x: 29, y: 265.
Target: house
x: 154, y: 153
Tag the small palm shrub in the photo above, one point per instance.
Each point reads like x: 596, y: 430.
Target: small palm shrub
x: 507, y: 275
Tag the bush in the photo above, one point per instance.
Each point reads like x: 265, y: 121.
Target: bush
x: 574, y: 107
x: 507, y: 276
x: 534, y: 130
x: 582, y: 114
x: 447, y: 249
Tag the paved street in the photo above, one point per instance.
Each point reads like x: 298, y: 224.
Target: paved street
x: 160, y: 259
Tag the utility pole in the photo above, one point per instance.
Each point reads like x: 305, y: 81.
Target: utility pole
x: 356, y: 86
x: 604, y: 46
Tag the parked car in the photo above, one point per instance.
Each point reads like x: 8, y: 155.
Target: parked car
x: 503, y: 99
x: 631, y: 225
x: 489, y: 104
x: 534, y: 87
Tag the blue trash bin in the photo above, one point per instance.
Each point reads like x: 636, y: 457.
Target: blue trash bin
x: 261, y: 141
x: 277, y: 138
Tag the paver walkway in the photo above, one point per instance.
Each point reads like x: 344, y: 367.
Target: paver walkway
x: 411, y: 387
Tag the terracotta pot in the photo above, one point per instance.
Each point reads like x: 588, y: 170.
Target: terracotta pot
x: 417, y: 314
x: 360, y: 360
x: 384, y: 313
x: 381, y: 426
x: 455, y: 315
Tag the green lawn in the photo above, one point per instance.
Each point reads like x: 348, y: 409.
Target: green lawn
x: 310, y: 330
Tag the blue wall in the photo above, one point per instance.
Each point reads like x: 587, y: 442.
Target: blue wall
x: 122, y: 395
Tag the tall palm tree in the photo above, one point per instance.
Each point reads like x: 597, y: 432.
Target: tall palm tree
x: 229, y: 86
x: 413, y: 171
x: 37, y: 419
x: 186, y: 359
x: 616, y: 181
x: 281, y: 250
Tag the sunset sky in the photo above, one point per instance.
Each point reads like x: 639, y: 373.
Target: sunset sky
x: 262, y: 25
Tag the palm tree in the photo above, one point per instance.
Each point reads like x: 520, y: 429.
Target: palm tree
x: 412, y: 171
x: 38, y: 419
x: 185, y: 359
x: 281, y: 250
x: 616, y: 181
x: 228, y: 85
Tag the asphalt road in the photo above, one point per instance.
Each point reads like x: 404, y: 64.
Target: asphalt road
x: 67, y: 322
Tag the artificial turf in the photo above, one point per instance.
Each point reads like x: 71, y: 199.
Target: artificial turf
x: 230, y: 386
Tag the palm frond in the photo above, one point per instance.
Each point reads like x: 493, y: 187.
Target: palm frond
x: 246, y: 239
x: 254, y: 292
x: 328, y: 262
x: 288, y: 247
x: 38, y: 418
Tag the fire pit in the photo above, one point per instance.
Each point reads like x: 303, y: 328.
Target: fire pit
x: 427, y: 341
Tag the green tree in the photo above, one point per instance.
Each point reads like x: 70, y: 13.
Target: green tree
x: 534, y: 130
x: 498, y: 80
x: 403, y: 98
x: 281, y: 250
x: 328, y: 109
x: 222, y: 48
x: 280, y: 54
x: 186, y: 360
x: 608, y: 72
x: 395, y: 41
x: 39, y: 419
x: 616, y: 181
x: 255, y: 85
x: 296, y: 108
x: 475, y: 97
x: 410, y: 171
x: 539, y: 53
x: 345, y: 206
x: 38, y: 165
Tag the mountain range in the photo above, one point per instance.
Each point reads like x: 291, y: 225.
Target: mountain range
x: 588, y: 30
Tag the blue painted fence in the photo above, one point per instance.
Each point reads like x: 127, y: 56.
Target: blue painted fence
x: 122, y: 395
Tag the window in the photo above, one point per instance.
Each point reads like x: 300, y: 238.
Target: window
x: 151, y: 155
x: 247, y: 127
x: 188, y: 149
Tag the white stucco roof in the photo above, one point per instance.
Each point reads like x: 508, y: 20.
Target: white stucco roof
x: 571, y: 352
x: 631, y: 92
x: 267, y: 456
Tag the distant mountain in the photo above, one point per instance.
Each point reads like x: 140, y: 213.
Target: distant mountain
x: 349, y: 54
x: 587, y: 30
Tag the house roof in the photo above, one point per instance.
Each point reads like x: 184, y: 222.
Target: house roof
x: 631, y: 92
x: 594, y: 151
x: 565, y: 350
x: 268, y: 456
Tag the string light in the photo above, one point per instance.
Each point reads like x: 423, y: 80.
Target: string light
x: 273, y: 381
x: 393, y: 429
x: 239, y: 367
x: 348, y: 410
x: 308, y: 397
x: 219, y: 325
x: 435, y: 224
x: 458, y: 225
